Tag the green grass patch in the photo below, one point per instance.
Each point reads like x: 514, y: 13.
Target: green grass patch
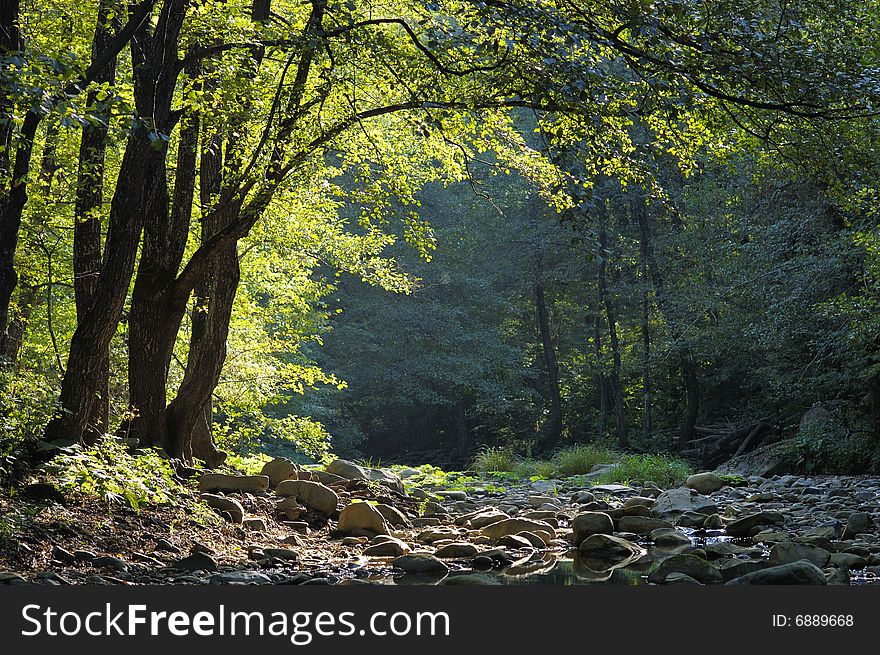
x: 495, y: 459
x: 664, y: 471
x: 578, y: 460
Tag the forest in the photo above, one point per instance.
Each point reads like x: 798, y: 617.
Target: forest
x: 522, y: 276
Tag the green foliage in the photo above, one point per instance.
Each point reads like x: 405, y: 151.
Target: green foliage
x: 578, y: 460
x: 109, y: 472
x: 664, y: 471
x: 495, y: 459
x: 826, y: 446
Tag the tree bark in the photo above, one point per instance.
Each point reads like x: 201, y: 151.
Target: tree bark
x: 87, y: 225
x: 464, y: 439
x: 140, y: 191
x: 615, y: 384
x: 553, y: 430
x: 601, y: 378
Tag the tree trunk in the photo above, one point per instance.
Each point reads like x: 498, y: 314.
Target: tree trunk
x: 87, y: 224
x: 553, y: 431
x: 465, y: 442
x: 647, y: 422
x: 689, y: 371
x: 615, y: 384
x: 601, y: 378
x: 140, y: 188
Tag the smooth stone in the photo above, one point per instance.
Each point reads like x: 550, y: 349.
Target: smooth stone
x: 392, y: 515
x: 514, y: 541
x: 240, y: 577
x: 470, y: 579
x: 691, y: 565
x: 390, y: 548
x: 788, y: 552
x: 279, y: 470
x: 421, y: 564
x: 254, y: 523
x: 678, y: 501
x: 608, y: 549
x: 669, y: 537
x: 641, y: 524
x: 110, y: 562
x: 705, y: 483
x: 457, y: 550
x: 801, y: 572
x: 590, y: 523
x: 359, y: 518
x: 241, y: 483
x: 742, y: 527
x: 515, y: 525
x: 735, y: 568
x: 225, y: 505
x: 858, y: 523
x: 196, y: 562
x: 313, y: 495
x: 281, y: 553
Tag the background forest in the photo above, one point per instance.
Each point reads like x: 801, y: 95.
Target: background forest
x: 412, y: 231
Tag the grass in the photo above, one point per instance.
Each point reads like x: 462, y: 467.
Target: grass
x: 574, y: 460
x: 664, y: 471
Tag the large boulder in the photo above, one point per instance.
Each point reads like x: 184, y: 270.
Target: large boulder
x: 313, y: 495
x: 801, y: 572
x: 857, y: 523
x: 241, y: 483
x: 360, y: 519
x: 675, y: 502
x: 392, y: 515
x: 226, y: 506
x: 590, y: 523
x: 421, y: 564
x: 705, y: 483
x: 278, y: 470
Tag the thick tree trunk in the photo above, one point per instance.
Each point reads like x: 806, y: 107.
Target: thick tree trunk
x: 155, y: 316
x: 87, y: 225
x: 140, y: 188
x: 616, y: 386
x: 553, y: 430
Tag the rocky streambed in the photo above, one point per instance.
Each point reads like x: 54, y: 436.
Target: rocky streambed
x: 352, y: 525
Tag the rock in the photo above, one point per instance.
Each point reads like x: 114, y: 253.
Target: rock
x: 515, y: 525
x: 278, y: 470
x: 241, y: 483
x: 486, y: 518
x: 360, y: 518
x: 590, y: 523
x: 452, y: 495
x: 61, y: 555
x: 311, y: 494
x: 514, y: 541
x: 392, y: 515
x: 327, y: 479
x: 110, y: 562
x: 692, y: 520
x: 713, y: 522
x: 848, y: 561
x: 11, y: 578
x: 669, y: 538
x: 583, y: 497
x: 705, y: 483
x: 858, y: 523
x: 676, y: 578
x: 801, y: 572
x: 254, y: 523
x: 695, y: 567
x: 613, y: 489
x: 390, y: 548
x: 641, y: 524
x: 788, y: 552
x: 545, y: 486
x: 287, y: 554
x: 289, y: 508
x: 196, y: 562
x: 457, y: 550
x: 167, y: 546
x: 608, y: 551
x: 352, y: 471
x: 743, y: 527
x: 229, y: 507
x: 673, y: 502
x: 470, y: 579
x: 240, y: 577
x: 421, y: 564
x: 735, y: 568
